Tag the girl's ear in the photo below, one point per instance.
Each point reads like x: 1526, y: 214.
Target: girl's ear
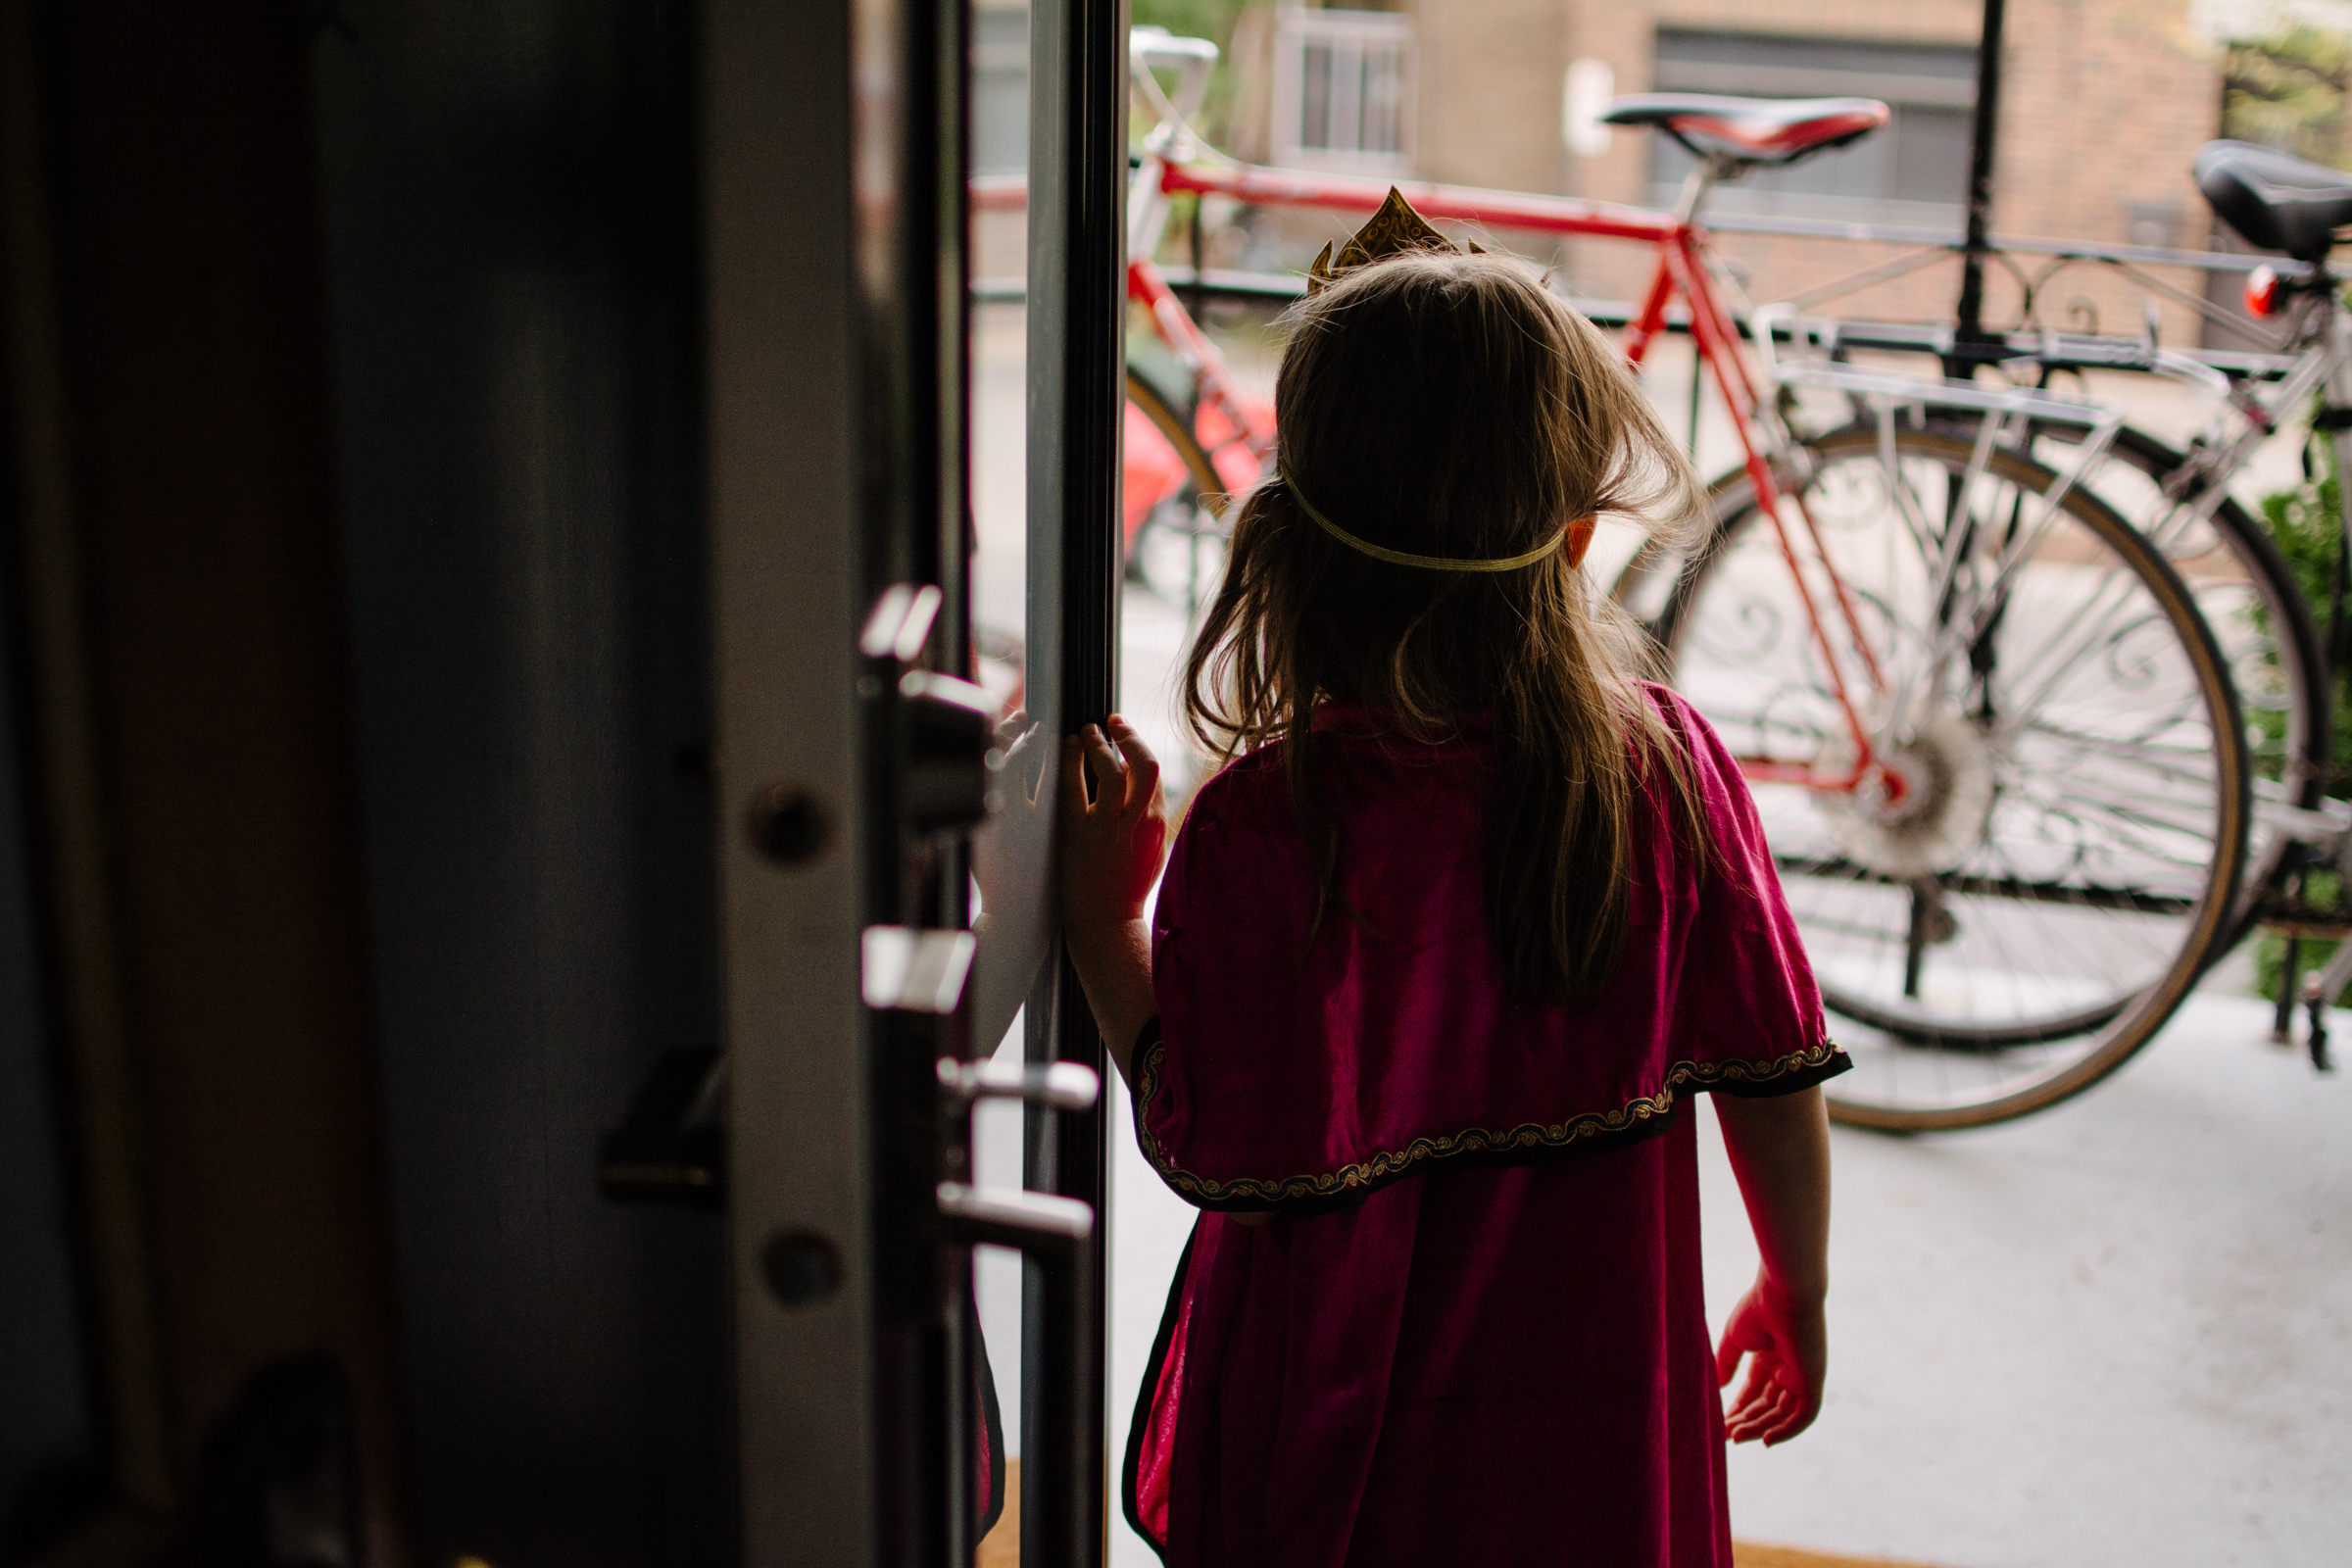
x: 1580, y: 539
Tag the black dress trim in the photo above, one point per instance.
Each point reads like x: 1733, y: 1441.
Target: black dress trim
x: 1531, y: 1143
x: 992, y: 1426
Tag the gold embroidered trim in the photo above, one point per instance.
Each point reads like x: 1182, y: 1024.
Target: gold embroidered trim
x: 1475, y: 1141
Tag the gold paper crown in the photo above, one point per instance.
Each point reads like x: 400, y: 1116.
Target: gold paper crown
x: 1392, y: 230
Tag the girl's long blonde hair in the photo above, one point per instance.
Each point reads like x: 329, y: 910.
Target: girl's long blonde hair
x: 1450, y: 405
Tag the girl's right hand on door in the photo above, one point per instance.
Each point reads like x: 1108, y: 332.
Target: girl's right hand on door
x: 1114, y: 844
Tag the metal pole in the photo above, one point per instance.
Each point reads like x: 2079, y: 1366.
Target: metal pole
x: 1984, y: 134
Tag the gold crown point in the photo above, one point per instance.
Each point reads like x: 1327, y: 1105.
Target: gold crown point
x: 1391, y: 230
x: 1319, y: 274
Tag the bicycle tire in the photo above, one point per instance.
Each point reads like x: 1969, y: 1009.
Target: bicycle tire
x: 1179, y: 551
x: 2019, y: 1065
x: 1161, y: 410
x: 2274, y: 658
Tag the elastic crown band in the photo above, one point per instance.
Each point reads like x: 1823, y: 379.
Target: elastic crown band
x: 1401, y: 558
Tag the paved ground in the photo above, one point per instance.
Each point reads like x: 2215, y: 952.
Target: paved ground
x: 2115, y: 1334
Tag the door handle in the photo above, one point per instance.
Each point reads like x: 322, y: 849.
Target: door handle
x: 1058, y: 1234
x: 1056, y: 1085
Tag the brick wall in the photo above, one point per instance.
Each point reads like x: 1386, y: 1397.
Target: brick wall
x: 1912, y: 21
x: 2103, y: 104
x: 1490, y: 97
x: 2106, y: 102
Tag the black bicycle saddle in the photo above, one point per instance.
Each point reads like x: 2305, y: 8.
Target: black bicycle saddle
x: 1758, y: 132
x: 2278, y: 201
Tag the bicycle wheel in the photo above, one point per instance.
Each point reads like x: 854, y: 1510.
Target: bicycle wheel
x: 2073, y: 829
x: 2248, y: 595
x: 1200, y: 467
x: 1179, y: 551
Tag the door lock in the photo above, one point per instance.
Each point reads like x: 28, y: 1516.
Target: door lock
x: 946, y: 729
x: 945, y: 726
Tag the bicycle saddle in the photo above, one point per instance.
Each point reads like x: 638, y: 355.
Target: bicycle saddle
x: 1757, y: 131
x: 2278, y: 201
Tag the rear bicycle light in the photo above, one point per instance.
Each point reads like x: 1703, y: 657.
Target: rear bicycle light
x: 2263, y: 293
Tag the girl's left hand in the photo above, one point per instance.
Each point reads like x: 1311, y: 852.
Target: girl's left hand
x: 1112, y: 847
x: 1786, y: 1343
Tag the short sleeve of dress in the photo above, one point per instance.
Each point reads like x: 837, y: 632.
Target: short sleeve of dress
x: 1169, y: 1093
x: 1746, y: 1016
x: 1167, y: 920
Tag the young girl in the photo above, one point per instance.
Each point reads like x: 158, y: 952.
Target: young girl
x: 1439, y: 958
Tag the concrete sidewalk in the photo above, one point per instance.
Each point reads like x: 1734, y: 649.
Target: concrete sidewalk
x: 2114, y: 1333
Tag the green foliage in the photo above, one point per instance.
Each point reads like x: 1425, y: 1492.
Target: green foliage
x: 2306, y: 523
x: 2324, y: 889
x: 1201, y: 18
x: 2289, y: 91
x: 2293, y: 90
x: 1190, y: 19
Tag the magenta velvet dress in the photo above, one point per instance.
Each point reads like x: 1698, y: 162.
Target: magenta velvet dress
x: 1473, y: 1333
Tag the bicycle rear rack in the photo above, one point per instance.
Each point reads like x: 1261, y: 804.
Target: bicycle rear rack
x: 1810, y: 360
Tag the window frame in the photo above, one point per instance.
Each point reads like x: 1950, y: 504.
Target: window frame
x: 1904, y: 91
x: 1346, y: 33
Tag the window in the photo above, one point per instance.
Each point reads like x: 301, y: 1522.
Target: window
x: 1913, y: 172
x: 1344, y: 90
x: 1000, y: 88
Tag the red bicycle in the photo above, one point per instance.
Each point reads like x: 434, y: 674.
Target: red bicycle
x: 1994, y: 737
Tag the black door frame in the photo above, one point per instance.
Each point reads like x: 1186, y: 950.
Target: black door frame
x: 1077, y: 311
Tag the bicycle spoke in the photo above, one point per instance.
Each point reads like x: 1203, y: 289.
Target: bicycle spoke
x: 2093, y: 628
x: 1959, y: 536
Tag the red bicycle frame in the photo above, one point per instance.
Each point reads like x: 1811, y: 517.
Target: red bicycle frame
x: 1682, y: 272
